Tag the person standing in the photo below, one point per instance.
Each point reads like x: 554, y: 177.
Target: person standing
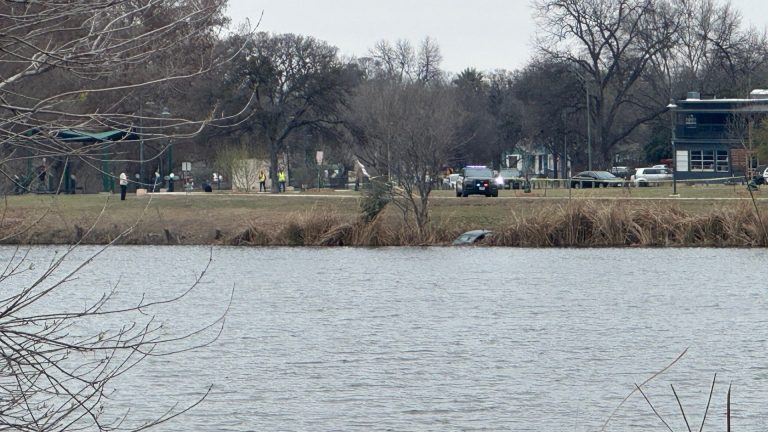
x: 123, y: 185
x: 41, y: 173
x: 262, y: 182
x: 281, y: 180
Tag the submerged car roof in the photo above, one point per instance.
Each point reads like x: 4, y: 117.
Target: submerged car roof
x: 471, y: 237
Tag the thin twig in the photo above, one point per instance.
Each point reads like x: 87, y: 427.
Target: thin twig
x: 682, y: 411
x: 728, y: 410
x: 757, y: 213
x: 711, y: 390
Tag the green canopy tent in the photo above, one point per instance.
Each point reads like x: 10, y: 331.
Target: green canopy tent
x: 71, y: 135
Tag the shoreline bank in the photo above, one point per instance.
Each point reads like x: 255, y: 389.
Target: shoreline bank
x: 313, y: 220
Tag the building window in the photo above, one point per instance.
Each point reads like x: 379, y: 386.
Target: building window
x: 722, y: 161
x: 703, y: 160
x: 690, y: 121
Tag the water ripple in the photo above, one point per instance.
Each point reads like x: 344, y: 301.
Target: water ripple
x: 447, y: 339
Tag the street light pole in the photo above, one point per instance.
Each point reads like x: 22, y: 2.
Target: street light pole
x: 141, y: 145
x: 672, y: 107
x: 389, y: 170
x: 589, y: 129
x: 166, y: 113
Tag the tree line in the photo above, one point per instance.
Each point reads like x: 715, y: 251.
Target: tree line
x: 597, y: 89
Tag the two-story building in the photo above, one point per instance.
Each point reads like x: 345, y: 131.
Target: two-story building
x: 712, y: 139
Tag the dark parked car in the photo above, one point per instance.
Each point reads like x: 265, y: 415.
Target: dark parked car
x: 589, y: 179
x: 477, y: 180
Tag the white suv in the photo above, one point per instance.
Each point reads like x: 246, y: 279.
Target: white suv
x: 649, y: 176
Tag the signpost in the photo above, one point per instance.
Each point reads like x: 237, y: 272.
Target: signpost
x: 319, y: 159
x: 186, y: 171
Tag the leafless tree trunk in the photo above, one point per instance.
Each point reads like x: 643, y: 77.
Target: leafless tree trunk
x: 613, y: 44
x: 408, y: 132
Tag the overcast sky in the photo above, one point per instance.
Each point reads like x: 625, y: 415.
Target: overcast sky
x: 484, y: 34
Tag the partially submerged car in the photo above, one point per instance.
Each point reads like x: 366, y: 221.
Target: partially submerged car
x: 472, y: 237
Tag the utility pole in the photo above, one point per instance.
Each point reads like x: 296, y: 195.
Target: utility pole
x: 672, y: 114
x: 589, y: 129
x: 564, y: 161
x: 141, y: 145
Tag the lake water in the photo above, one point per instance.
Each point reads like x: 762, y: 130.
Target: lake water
x: 444, y: 339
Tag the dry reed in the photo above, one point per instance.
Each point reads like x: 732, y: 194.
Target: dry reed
x: 576, y: 224
x: 591, y: 224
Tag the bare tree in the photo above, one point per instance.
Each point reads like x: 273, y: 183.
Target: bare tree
x: 402, y: 63
x: 396, y: 61
x: 429, y: 61
x: 612, y: 44
x: 408, y: 132
x: 289, y: 83
x: 69, y: 65
x: 713, y: 53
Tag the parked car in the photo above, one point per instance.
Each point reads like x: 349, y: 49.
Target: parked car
x: 472, y: 237
x: 449, y: 182
x: 651, y: 176
x: 620, y: 171
x: 588, y: 179
x: 762, y: 171
x: 509, y: 178
x: 476, y: 180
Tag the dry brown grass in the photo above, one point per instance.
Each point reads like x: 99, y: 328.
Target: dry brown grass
x: 313, y: 221
x: 588, y: 224
x: 575, y: 224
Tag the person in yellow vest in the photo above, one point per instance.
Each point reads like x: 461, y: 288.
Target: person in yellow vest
x: 262, y: 182
x: 281, y: 180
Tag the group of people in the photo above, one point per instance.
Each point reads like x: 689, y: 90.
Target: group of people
x: 281, y: 178
x: 280, y: 181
